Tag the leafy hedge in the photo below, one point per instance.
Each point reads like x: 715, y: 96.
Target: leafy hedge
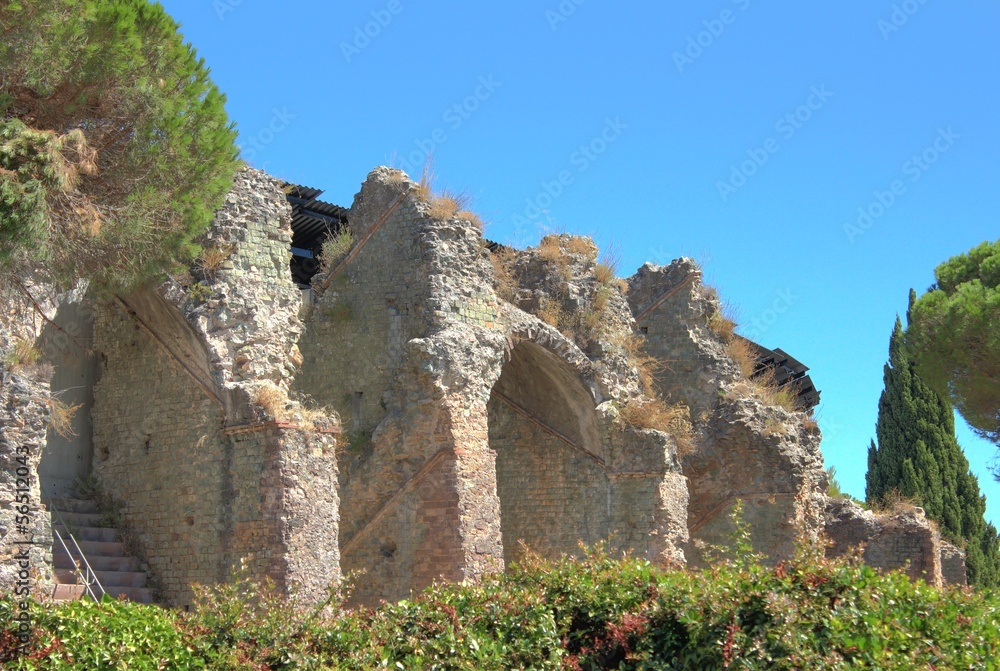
x: 595, y: 613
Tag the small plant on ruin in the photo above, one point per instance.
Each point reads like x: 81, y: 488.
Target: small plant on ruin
x: 551, y: 312
x: 358, y: 441
x: 271, y: 399
x: 505, y: 273
x: 606, y: 270
x: 211, y: 259
x: 894, y: 503
x: 341, y: 313
x: 22, y: 354
x: 654, y: 413
x: 199, y: 292
x: 758, y: 381
x: 335, y: 249
x: 61, y: 417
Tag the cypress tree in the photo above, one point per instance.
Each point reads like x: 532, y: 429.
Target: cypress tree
x: 918, y: 457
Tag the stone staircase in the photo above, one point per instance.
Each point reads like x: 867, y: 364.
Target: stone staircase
x: 117, y: 572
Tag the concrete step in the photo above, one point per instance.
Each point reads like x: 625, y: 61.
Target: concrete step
x: 75, y: 520
x: 137, y: 594
x: 117, y: 572
x: 101, y: 534
x: 61, y: 560
x: 69, y: 505
x: 101, y: 549
x: 108, y: 579
x: 68, y: 592
x: 111, y: 579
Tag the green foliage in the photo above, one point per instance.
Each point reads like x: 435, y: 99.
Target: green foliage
x: 111, y: 635
x: 918, y: 458
x: 335, y: 248
x: 594, y: 613
x: 834, y: 490
x: 954, y: 338
x: 115, y: 148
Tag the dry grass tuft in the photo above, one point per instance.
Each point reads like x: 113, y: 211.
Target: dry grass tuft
x: 759, y: 383
x: 894, y: 503
x: 745, y: 356
x: 551, y: 251
x: 551, y: 312
x: 22, y: 354
x: 654, y: 413
x: 271, y: 399
x: 647, y: 366
x: 507, y: 282
x: 606, y: 270
x: 211, y: 259
x: 61, y: 417
x: 579, y: 245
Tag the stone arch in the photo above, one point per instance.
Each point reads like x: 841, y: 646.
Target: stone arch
x: 552, y: 482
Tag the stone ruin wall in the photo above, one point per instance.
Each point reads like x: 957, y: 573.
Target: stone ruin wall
x: 901, y: 539
x: 24, y: 423
x: 410, y: 343
x: 206, y: 479
x: 743, y: 449
x: 470, y: 424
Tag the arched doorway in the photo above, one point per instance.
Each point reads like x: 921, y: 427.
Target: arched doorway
x: 551, y: 478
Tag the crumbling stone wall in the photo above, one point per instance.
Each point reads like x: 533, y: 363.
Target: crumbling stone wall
x: 424, y: 498
x: 25, y: 524
x: 953, y: 571
x: 900, y: 540
x: 207, y: 476
x: 743, y: 449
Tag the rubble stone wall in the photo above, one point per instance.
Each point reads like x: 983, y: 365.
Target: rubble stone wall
x: 902, y: 540
x: 25, y: 525
x: 743, y: 450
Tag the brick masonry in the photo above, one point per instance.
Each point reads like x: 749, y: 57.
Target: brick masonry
x: 420, y: 427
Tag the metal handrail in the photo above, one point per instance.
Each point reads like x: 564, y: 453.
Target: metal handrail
x: 88, y: 578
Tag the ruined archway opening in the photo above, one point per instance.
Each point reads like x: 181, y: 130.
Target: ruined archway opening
x: 551, y: 479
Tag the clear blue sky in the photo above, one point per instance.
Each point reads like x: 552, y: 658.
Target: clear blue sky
x: 669, y: 126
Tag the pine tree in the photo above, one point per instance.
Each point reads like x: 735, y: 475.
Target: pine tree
x: 918, y: 457
x: 115, y: 147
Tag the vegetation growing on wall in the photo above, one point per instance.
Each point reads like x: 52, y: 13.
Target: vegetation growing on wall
x: 115, y: 148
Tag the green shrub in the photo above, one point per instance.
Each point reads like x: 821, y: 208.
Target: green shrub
x: 598, y: 612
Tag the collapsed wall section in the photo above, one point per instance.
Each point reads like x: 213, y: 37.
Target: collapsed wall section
x: 901, y: 540
x: 745, y: 448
